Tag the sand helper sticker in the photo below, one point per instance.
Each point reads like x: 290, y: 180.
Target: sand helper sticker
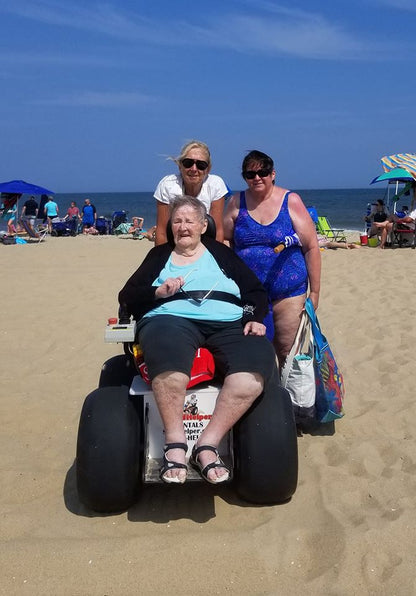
x: 194, y: 419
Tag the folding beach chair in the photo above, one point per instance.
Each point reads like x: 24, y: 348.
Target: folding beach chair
x: 34, y: 233
x: 324, y: 227
x: 313, y: 213
x: 403, y: 235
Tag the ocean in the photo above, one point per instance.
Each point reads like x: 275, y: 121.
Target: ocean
x: 345, y: 208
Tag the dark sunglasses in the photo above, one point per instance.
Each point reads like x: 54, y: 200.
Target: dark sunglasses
x: 251, y: 174
x: 187, y: 163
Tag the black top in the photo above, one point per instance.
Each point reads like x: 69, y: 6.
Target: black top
x: 31, y: 207
x: 379, y: 217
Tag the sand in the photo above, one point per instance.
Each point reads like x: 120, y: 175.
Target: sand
x: 348, y: 530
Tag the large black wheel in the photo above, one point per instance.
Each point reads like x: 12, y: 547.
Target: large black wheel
x: 117, y: 371
x: 110, y: 449
x: 265, y: 449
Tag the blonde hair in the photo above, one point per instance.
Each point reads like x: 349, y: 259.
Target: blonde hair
x: 193, y: 144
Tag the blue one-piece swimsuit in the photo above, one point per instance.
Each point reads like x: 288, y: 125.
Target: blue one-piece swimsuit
x: 283, y: 274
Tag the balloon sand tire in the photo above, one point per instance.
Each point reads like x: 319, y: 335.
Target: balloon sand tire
x: 265, y: 450
x: 110, y: 450
x: 117, y: 371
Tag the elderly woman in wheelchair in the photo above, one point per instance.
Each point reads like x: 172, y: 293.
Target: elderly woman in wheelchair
x: 189, y: 293
x: 190, y: 296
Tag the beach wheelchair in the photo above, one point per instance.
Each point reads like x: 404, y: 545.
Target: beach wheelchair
x: 121, y: 437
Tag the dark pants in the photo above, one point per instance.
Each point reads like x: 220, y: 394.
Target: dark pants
x: 169, y: 343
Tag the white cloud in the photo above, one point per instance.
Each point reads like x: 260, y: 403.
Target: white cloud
x: 405, y: 5
x: 273, y: 29
x: 97, y: 99
x: 102, y: 18
x: 17, y: 58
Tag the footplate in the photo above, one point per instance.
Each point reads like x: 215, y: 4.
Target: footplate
x: 153, y: 465
x: 198, y: 407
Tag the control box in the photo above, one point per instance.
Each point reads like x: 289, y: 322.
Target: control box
x: 120, y: 332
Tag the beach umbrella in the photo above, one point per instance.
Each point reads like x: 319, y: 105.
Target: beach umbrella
x: 20, y: 187
x: 407, y: 161
x: 394, y: 175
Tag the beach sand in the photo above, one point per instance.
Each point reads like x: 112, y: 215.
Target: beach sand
x: 348, y: 530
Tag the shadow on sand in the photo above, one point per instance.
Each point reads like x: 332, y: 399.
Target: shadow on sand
x: 162, y: 503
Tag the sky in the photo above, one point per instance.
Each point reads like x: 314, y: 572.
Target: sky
x: 95, y: 96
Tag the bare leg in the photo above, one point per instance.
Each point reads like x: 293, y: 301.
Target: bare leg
x: 238, y: 392
x: 387, y: 227
x: 169, y: 389
x: 286, y: 319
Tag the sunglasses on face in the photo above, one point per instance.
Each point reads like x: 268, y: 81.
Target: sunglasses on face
x: 187, y: 163
x: 251, y: 174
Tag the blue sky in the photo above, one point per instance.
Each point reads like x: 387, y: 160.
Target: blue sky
x: 95, y: 95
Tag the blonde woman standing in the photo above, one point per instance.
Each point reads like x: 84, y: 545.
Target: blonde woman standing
x: 193, y: 179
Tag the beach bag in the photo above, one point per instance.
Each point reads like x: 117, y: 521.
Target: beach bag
x: 8, y: 239
x: 298, y: 375
x: 329, y: 383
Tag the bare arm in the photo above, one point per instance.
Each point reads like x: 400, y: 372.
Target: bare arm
x: 217, y: 211
x: 305, y: 229
x: 162, y: 218
x: 230, y: 216
x: 405, y: 220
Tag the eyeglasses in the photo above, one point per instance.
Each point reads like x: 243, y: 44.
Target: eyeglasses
x: 187, y: 163
x: 198, y: 300
x: 190, y: 297
x: 251, y: 174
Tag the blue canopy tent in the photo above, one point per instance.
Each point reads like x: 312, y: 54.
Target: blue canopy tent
x: 14, y: 189
x: 20, y: 187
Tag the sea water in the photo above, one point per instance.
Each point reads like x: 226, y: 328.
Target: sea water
x: 344, y: 208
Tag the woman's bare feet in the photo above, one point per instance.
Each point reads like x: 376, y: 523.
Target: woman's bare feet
x: 174, y: 469
x: 209, y: 463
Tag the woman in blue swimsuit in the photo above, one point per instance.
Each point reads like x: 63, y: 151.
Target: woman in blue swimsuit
x: 256, y: 222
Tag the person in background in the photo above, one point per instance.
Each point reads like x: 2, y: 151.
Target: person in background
x: 378, y: 219
x: 89, y: 216
x: 137, y: 225
x: 255, y: 223
x: 73, y: 211
x: 193, y: 179
x: 407, y: 222
x: 324, y: 242
x: 10, y: 216
x: 402, y: 212
x: 30, y: 211
x: 51, y: 211
x: 150, y: 234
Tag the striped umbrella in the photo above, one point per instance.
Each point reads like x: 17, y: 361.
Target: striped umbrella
x: 407, y: 161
